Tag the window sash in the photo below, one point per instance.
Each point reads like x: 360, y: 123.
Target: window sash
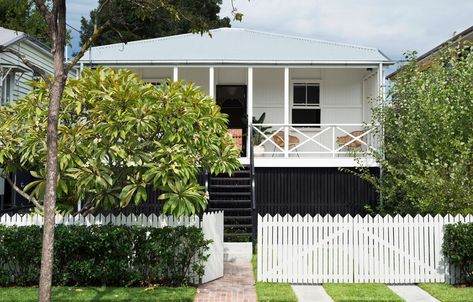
x: 314, y: 107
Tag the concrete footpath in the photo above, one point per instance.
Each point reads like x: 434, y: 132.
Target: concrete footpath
x: 311, y: 293
x: 412, y: 293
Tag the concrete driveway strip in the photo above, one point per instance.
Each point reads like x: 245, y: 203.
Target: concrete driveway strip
x: 311, y: 293
x: 412, y: 293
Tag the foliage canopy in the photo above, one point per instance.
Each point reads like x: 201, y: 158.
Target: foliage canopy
x: 117, y: 136
x: 427, y: 155
x: 130, y: 22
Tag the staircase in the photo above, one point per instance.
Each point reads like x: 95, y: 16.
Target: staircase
x: 233, y: 195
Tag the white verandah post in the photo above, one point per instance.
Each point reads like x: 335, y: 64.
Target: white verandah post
x: 211, y: 82
x: 286, y: 112
x: 175, y: 74
x: 249, y: 109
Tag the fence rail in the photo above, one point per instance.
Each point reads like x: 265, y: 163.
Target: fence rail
x: 318, y: 249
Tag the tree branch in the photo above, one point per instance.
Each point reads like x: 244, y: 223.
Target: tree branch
x: 23, y: 194
x: 28, y: 63
x: 96, y: 34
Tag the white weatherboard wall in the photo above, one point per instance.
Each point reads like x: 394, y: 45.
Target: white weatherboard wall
x: 319, y: 249
x: 211, y: 224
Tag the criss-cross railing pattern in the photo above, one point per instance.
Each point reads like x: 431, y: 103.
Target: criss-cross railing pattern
x: 335, y: 140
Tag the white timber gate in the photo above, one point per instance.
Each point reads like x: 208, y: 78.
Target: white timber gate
x: 320, y: 249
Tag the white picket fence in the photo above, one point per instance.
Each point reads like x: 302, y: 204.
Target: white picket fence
x: 319, y: 249
x: 211, y: 224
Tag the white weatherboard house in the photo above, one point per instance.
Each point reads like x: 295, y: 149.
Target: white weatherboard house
x: 316, y: 95
x: 14, y: 76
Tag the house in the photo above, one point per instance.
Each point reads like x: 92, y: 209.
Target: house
x: 424, y: 61
x: 316, y: 95
x: 14, y: 78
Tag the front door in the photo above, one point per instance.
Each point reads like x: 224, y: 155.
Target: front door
x: 232, y: 100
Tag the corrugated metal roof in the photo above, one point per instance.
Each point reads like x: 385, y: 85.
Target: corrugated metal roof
x: 232, y: 45
x: 8, y: 36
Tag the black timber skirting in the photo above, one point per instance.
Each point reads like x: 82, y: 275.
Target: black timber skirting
x: 312, y: 191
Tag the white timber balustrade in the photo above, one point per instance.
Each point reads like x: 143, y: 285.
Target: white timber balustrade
x: 319, y: 249
x: 317, y: 140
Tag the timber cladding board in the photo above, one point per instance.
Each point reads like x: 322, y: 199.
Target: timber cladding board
x: 312, y: 191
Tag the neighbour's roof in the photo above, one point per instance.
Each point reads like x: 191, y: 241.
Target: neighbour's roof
x: 466, y: 35
x: 8, y: 36
x: 233, y: 46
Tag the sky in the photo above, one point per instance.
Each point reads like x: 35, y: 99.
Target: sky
x: 391, y: 26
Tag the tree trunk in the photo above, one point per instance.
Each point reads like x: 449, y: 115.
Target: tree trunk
x: 47, y: 254
x: 57, y: 32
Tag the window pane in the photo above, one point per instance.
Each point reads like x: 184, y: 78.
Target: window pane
x: 305, y: 116
x: 299, y: 93
x: 313, y: 94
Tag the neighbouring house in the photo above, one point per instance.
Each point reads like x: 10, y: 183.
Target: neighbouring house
x: 14, y: 78
x: 424, y: 61
x: 316, y: 95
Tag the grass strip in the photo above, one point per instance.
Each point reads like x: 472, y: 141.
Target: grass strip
x: 361, y: 292
x: 101, y: 294
x: 448, y: 293
x: 274, y: 292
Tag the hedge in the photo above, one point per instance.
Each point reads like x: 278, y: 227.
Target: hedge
x: 458, y: 248
x: 104, y: 255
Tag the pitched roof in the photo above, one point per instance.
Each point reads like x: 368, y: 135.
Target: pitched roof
x: 466, y: 35
x: 8, y: 36
x: 233, y: 45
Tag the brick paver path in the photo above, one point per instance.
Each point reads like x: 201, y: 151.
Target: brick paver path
x: 237, y: 285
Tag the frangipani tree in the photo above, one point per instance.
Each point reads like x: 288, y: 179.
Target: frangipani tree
x: 117, y: 136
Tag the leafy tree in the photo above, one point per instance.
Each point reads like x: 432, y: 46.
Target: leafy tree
x: 130, y: 24
x: 427, y: 157
x: 21, y: 15
x: 54, y: 13
x: 160, y: 137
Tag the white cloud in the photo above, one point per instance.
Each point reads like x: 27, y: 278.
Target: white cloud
x: 392, y: 26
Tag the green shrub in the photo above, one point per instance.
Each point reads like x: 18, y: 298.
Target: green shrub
x: 458, y: 248
x: 104, y: 255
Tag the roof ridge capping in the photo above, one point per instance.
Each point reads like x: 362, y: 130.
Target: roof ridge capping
x: 311, y: 39
x: 250, y: 31
x: 157, y: 38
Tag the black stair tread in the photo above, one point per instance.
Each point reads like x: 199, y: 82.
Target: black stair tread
x: 229, y: 209
x: 236, y: 186
x: 230, y: 178
x: 230, y: 201
x: 237, y: 234
x: 238, y: 217
x: 230, y: 193
x: 238, y: 225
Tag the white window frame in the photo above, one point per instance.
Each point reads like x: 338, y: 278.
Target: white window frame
x: 7, y: 81
x: 313, y: 107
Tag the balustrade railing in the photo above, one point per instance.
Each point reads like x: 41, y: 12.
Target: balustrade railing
x: 314, y: 140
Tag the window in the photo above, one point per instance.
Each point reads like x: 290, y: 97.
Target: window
x: 6, y: 90
x: 306, y: 103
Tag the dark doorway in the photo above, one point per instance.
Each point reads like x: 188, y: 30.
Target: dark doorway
x: 232, y: 100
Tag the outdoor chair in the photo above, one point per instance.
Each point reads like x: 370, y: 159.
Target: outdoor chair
x: 278, y: 139
x: 342, y: 140
x: 237, y: 135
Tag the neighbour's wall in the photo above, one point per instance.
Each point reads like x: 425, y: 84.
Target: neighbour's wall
x: 36, y: 55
